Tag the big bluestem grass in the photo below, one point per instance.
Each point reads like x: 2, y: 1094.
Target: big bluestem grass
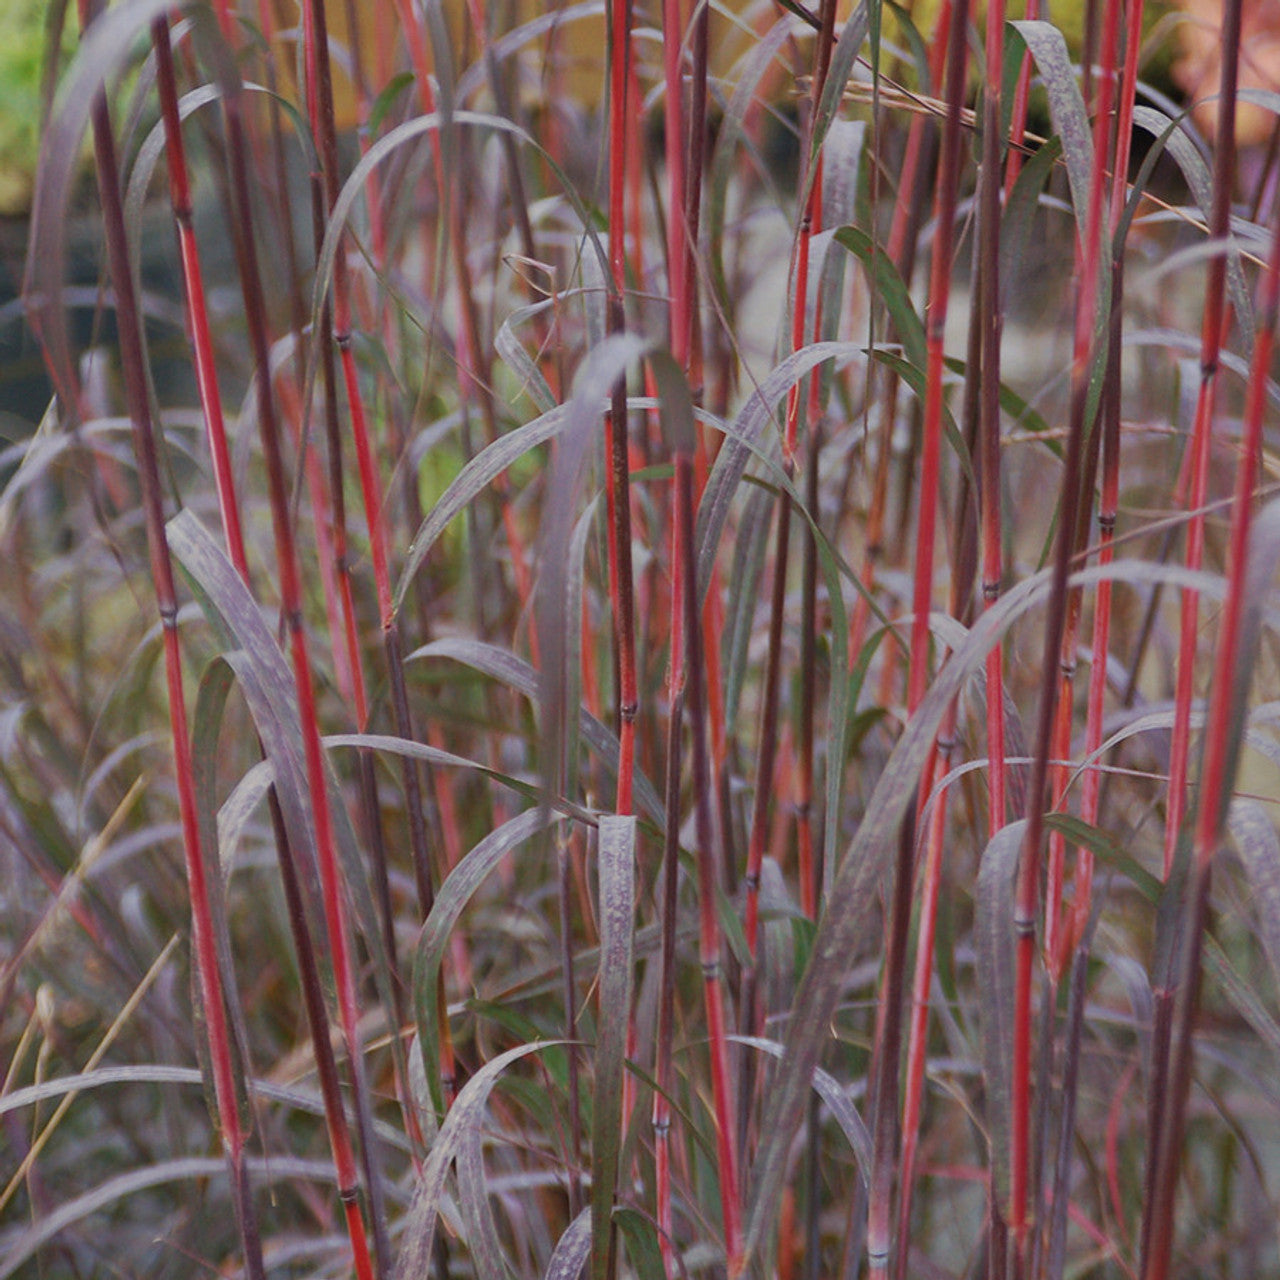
x: 559, y: 747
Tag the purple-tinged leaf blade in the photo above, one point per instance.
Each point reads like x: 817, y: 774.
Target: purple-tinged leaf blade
x: 617, y: 870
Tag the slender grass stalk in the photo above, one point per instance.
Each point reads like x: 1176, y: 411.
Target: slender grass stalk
x: 1028, y: 880
x: 618, y: 500
x: 992, y: 319
x: 679, y: 250
x: 213, y: 995
x: 766, y: 754
x: 934, y: 792
x: 888, y: 1031
x: 687, y: 650
x: 902, y: 236
x: 1222, y: 727
x: 197, y: 310
x: 1021, y: 105
x: 291, y: 604
x: 1091, y: 789
x: 765, y: 780
x: 808, y: 868
x: 619, y: 474
x: 1212, y: 335
x: 472, y: 362
x: 709, y: 926
x: 313, y: 998
x: 314, y: 46
x: 320, y: 101
x: 663, y: 1071
x: 909, y: 212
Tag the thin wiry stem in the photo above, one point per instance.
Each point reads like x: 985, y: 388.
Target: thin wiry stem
x: 1220, y: 751
x: 889, y: 1024
x: 213, y: 995
x: 709, y: 927
x: 291, y: 604
x: 1027, y: 891
x: 1212, y: 334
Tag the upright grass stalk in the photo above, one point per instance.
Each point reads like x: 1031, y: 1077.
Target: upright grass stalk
x: 1212, y: 335
x: 213, y: 996
x: 709, y: 944
x: 621, y: 578
x: 316, y: 32
x: 991, y: 313
x: 909, y: 212
x: 474, y: 378
x: 990, y: 321
x: 336, y: 497
x: 197, y: 310
x: 291, y: 606
x: 619, y: 472
x: 1222, y: 737
x: 679, y: 250
x: 765, y: 780
x: 663, y: 1071
x: 336, y: 318
x: 688, y: 654
x: 889, y: 1020
x: 1026, y: 907
x: 313, y: 998
x: 1175, y: 1008
x: 1021, y: 104
x: 1109, y: 497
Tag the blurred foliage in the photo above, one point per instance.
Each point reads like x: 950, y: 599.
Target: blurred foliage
x: 24, y: 26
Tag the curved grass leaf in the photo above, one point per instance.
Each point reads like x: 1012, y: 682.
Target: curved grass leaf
x: 268, y: 687
x: 914, y: 376
x: 889, y: 288
x: 829, y: 1089
x: 843, y: 58
x: 477, y: 1212
x: 517, y: 674
x: 1020, y: 212
x: 1241, y: 993
x: 436, y: 757
x: 1109, y: 851
x: 103, y: 51
x: 354, y: 188
x: 156, y: 1074
x: 1048, y: 47
x: 744, y: 437
x: 571, y: 1250
x: 465, y: 1116
x: 518, y: 360
x: 454, y: 894
x: 471, y: 481
x: 675, y: 403
x: 553, y: 20
x: 105, y: 1195
x: 1171, y: 136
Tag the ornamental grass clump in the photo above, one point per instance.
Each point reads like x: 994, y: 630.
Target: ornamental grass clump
x: 643, y: 643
